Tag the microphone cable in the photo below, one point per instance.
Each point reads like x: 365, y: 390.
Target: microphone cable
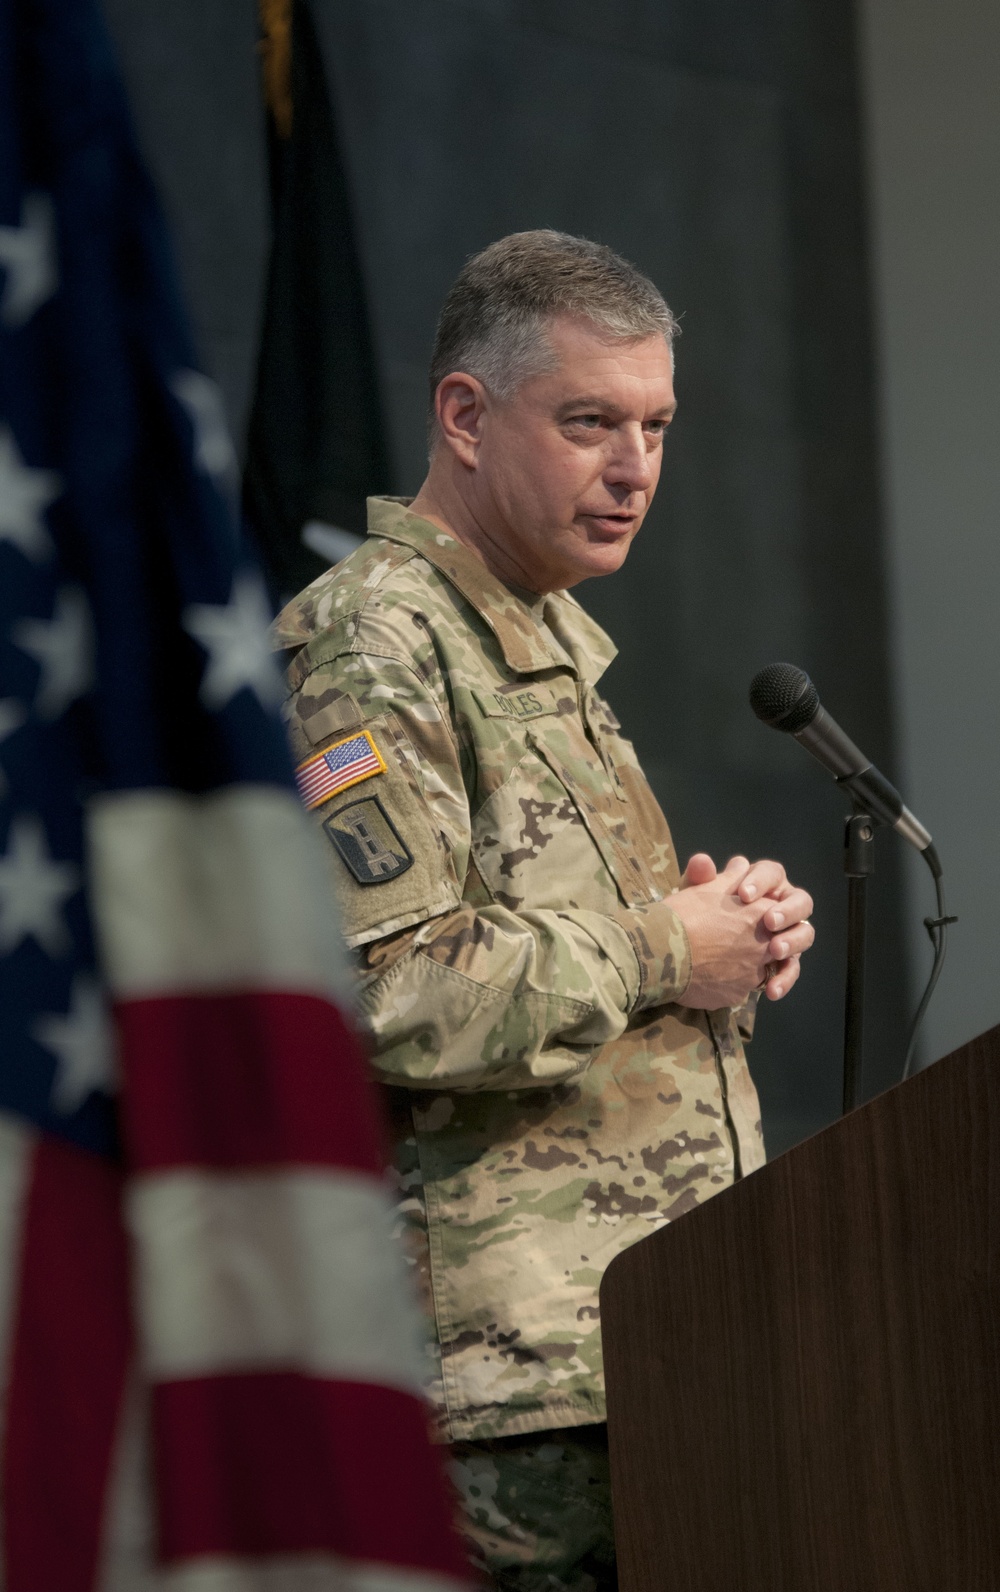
x: 937, y: 929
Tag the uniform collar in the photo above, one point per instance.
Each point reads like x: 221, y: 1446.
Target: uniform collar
x: 519, y: 624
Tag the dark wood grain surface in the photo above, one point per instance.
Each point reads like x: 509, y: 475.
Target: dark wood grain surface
x: 804, y: 1373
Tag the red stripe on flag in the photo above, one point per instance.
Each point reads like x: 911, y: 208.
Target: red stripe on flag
x: 66, y: 1377
x: 268, y: 1463
x: 243, y: 1080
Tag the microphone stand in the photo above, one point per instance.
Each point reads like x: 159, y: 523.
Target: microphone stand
x: 784, y: 697
x: 859, y: 865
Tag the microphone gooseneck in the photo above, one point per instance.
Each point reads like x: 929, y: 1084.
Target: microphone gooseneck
x: 784, y: 697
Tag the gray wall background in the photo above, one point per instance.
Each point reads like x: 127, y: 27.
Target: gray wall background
x: 931, y: 73
x: 717, y: 144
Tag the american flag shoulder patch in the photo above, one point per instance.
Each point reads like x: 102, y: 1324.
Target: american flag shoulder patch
x: 345, y: 763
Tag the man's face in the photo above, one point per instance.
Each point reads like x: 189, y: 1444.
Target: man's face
x: 567, y: 468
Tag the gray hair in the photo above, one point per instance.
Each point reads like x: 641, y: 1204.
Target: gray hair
x: 492, y: 325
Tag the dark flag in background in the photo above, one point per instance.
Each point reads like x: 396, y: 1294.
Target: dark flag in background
x: 315, y: 448
x: 209, y: 1368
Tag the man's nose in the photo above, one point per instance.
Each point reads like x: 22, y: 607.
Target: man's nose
x: 630, y: 464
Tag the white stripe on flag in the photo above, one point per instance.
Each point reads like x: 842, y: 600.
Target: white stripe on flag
x: 271, y: 1269
x: 298, y: 1573
x: 219, y: 892
x: 128, y: 1547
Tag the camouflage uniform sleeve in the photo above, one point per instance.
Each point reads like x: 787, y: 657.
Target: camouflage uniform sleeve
x: 745, y: 1016
x: 458, y: 991
x: 660, y: 943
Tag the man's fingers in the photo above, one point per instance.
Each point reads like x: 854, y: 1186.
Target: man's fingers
x: 760, y: 880
x: 792, y: 942
x: 796, y: 907
x: 781, y: 980
x: 734, y: 873
x: 700, y: 870
x: 749, y: 926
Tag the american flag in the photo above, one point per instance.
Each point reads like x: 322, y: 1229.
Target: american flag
x: 210, y: 1368
x: 345, y: 764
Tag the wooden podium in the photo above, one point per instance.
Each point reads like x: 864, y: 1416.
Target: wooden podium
x: 804, y: 1373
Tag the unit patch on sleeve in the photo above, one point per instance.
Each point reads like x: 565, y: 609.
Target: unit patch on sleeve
x: 341, y: 765
x: 369, y: 842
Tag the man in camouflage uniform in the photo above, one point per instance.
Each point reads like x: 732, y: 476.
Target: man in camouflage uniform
x: 550, y: 1003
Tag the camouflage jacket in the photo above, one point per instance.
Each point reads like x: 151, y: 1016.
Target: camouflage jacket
x: 494, y: 848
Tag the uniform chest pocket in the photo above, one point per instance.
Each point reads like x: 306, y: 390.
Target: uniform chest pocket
x: 606, y: 816
x: 541, y: 840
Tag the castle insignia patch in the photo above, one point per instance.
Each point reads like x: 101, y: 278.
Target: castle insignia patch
x: 369, y: 842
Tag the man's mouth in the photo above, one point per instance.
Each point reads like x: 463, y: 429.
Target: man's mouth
x: 614, y: 523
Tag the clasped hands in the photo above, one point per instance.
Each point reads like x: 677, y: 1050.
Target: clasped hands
x: 747, y: 928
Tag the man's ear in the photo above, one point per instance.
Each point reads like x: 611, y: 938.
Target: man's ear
x: 460, y: 404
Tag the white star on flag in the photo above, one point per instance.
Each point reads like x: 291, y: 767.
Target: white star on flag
x: 82, y: 1043
x: 64, y: 647
x: 33, y: 889
x: 213, y: 448
x: 28, y: 252
x: 235, y: 638
x: 25, y: 494
x: 12, y: 716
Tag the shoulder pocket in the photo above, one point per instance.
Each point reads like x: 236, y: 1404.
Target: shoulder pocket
x: 389, y: 865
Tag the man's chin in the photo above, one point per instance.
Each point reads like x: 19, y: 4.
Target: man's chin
x: 600, y: 558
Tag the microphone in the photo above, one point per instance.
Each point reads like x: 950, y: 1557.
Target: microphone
x: 785, y: 697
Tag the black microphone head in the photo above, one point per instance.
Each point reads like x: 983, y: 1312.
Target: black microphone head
x: 784, y: 697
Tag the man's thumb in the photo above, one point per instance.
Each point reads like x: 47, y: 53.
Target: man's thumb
x: 700, y: 870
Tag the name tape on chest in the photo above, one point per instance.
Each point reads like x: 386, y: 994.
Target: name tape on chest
x: 530, y: 703
x: 342, y: 765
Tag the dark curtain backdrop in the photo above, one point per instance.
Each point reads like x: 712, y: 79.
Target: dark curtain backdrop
x: 717, y: 144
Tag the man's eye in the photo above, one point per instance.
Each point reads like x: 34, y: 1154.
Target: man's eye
x: 591, y: 422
